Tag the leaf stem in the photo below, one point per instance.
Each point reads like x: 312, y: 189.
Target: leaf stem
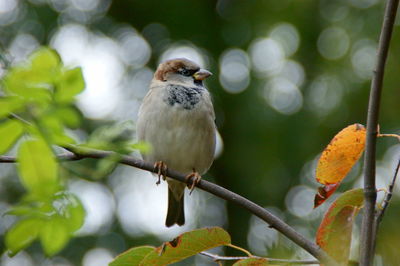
x: 389, y: 135
x: 241, y: 249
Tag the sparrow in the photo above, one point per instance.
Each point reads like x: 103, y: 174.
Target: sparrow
x: 177, y: 119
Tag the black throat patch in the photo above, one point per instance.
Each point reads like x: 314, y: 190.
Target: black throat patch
x: 186, y: 97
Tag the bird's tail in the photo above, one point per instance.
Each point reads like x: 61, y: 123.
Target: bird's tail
x: 176, y: 213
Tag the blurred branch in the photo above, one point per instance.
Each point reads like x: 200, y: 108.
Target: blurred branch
x: 216, y: 257
x: 367, y: 229
x: 62, y: 157
x: 388, y: 196
x: 78, y: 153
x: 386, y: 201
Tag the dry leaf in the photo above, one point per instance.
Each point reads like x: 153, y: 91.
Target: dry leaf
x: 337, y: 160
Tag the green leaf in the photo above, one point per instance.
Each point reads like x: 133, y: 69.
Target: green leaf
x: 334, y: 232
x: 61, y: 215
x: 69, y: 116
x: 143, y: 147
x: 45, y: 60
x: 54, y: 129
x: 106, y: 165
x: 37, y: 167
x: 54, y: 235
x: 10, y: 132
x: 69, y: 85
x: 132, y: 256
x: 9, y: 105
x: 114, y: 137
x: 69, y: 207
x: 28, y: 84
x: 186, y: 245
x: 22, y: 234
x: 252, y: 262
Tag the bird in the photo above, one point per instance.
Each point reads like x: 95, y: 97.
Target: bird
x: 177, y: 119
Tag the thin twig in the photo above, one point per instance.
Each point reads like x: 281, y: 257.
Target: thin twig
x: 62, y: 157
x: 379, y: 215
x: 367, y: 228
x: 271, y: 260
x: 262, y: 213
x: 387, y: 198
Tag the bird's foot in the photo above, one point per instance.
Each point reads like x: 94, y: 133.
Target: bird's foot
x: 195, y: 179
x: 161, y: 169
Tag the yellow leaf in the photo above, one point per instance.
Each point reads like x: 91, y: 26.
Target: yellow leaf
x: 341, y: 154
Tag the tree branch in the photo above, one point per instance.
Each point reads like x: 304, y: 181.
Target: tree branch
x: 78, y: 153
x: 62, y: 157
x: 388, y: 196
x: 216, y: 257
x: 367, y: 229
x: 385, y: 204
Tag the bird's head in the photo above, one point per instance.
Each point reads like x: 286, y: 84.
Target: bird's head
x: 181, y: 70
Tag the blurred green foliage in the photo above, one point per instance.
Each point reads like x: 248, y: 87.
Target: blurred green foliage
x: 267, y: 153
x: 35, y: 102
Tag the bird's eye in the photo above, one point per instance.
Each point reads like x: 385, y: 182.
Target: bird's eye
x: 185, y: 72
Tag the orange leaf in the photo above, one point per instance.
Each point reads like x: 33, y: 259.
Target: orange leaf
x: 334, y: 232
x: 323, y: 193
x: 186, y: 245
x: 180, y: 248
x: 338, y: 158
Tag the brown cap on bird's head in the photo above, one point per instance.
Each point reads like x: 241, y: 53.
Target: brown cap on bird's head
x: 181, y: 66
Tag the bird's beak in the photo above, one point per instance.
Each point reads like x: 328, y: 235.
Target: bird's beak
x: 202, y: 74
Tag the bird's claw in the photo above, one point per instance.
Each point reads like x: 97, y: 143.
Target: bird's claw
x: 161, y: 169
x: 195, y: 179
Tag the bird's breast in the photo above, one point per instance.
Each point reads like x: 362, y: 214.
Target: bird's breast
x: 182, y: 96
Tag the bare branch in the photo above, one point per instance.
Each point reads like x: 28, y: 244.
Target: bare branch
x: 367, y: 229
x: 272, y: 220
x: 62, y: 157
x: 387, y: 198
x: 216, y: 257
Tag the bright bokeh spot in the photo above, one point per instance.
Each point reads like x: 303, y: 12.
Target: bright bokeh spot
x: 333, y: 43
x: 293, y: 71
x: 324, y: 94
x: 22, y: 46
x: 267, y: 56
x: 98, y: 203
x: 135, y: 50
x: 284, y: 96
x: 185, y: 51
x: 259, y: 238
x: 9, y: 11
x: 21, y: 259
x: 299, y: 201
x: 333, y: 10
x: 288, y: 37
x: 97, y: 257
x: 363, y: 58
x: 86, y: 5
x: 101, y: 65
x: 140, y: 200
x: 234, y: 70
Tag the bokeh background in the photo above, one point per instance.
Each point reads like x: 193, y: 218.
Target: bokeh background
x: 288, y: 75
